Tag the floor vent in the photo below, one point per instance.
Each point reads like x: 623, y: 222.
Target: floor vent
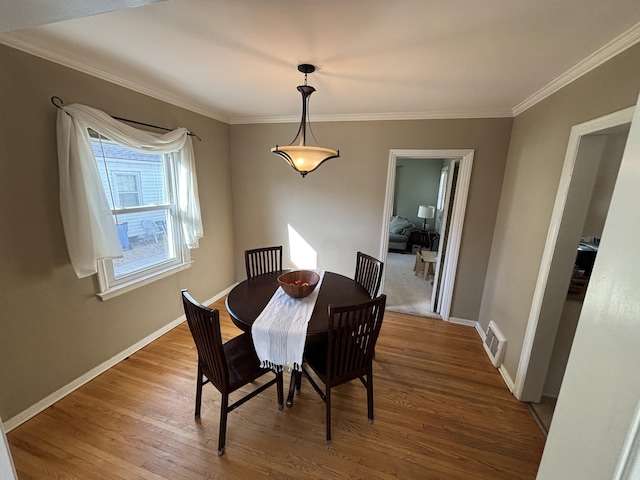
x: 495, y: 344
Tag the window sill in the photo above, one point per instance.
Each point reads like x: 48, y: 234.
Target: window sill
x: 140, y: 282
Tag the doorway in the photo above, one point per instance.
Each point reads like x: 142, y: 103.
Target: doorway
x: 408, y: 277
x: 552, y: 320
x: 446, y: 265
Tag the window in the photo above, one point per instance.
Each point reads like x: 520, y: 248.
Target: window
x: 153, y: 205
x: 140, y: 188
x: 127, y: 186
x: 442, y: 189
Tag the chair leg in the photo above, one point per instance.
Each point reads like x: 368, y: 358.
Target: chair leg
x: 370, y: 395
x: 292, y: 389
x: 198, y: 392
x: 280, y: 389
x: 298, y: 381
x: 222, y: 435
x: 328, y: 409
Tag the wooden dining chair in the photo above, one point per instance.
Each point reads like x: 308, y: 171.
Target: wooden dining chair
x: 369, y: 273
x: 259, y: 261
x: 227, y: 366
x: 347, y: 353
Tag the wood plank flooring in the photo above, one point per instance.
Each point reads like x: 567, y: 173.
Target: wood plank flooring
x: 441, y: 412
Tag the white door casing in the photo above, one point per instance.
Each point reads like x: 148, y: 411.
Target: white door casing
x: 460, y: 204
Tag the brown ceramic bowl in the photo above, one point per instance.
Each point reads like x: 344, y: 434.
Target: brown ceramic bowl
x: 307, y: 277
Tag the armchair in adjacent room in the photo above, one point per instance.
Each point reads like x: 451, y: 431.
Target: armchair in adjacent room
x: 399, y: 232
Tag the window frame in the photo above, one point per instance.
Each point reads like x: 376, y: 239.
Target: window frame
x: 109, y: 285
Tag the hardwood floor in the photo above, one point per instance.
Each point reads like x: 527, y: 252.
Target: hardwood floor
x: 441, y: 411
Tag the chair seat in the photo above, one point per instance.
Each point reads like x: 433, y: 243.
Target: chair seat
x: 244, y: 365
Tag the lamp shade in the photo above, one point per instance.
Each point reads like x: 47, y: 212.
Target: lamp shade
x: 426, y: 211
x: 304, y: 158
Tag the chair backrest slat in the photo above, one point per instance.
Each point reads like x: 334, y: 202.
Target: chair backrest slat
x: 204, y: 324
x: 259, y: 261
x: 369, y: 273
x: 353, y: 332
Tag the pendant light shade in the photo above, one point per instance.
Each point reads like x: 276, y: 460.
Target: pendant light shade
x: 301, y: 157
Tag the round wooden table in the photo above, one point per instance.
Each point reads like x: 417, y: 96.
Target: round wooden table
x: 247, y: 300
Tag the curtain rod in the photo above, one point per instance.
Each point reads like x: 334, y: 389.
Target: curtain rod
x: 54, y: 98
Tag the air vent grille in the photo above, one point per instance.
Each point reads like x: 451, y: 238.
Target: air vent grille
x: 495, y: 344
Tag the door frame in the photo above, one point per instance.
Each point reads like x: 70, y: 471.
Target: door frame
x: 451, y: 189
x: 526, y: 387
x: 457, y: 221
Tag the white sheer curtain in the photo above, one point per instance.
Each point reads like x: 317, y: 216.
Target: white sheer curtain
x: 88, y: 223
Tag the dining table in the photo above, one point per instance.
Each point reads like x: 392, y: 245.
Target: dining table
x: 247, y: 300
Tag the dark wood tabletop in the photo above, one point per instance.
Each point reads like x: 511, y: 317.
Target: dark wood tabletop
x: 247, y: 299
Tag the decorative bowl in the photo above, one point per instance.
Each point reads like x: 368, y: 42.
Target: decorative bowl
x: 307, y: 278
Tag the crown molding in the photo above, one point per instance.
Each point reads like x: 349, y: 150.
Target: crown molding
x: 371, y: 117
x: 66, y: 61
x: 74, y: 64
x: 600, y: 56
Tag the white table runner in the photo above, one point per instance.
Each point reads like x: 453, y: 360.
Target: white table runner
x: 280, y: 331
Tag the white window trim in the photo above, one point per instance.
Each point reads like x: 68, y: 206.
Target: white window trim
x: 116, y: 290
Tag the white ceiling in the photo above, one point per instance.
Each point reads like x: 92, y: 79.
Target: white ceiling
x: 378, y: 59
x: 16, y: 14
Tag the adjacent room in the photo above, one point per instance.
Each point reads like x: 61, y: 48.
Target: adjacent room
x: 443, y: 192
x: 414, y: 231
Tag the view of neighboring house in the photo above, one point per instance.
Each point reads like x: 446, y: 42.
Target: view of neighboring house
x: 135, y: 179
x: 131, y: 179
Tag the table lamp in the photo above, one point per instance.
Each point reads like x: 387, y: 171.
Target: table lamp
x: 426, y: 211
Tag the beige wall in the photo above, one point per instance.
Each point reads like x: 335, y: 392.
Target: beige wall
x: 536, y: 155
x: 53, y: 328
x: 339, y: 208
x: 607, y: 176
x: 599, y: 395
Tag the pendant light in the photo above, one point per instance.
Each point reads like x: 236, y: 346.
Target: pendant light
x: 304, y: 158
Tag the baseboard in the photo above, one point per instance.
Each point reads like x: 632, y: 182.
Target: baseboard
x: 550, y: 395
x: 503, y: 371
x: 463, y: 321
x: 481, y: 333
x: 511, y: 385
x: 219, y: 295
x: 46, y: 402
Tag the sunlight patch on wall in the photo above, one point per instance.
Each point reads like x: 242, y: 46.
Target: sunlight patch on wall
x: 301, y: 253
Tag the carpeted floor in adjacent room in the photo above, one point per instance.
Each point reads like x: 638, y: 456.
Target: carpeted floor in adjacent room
x: 406, y: 292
